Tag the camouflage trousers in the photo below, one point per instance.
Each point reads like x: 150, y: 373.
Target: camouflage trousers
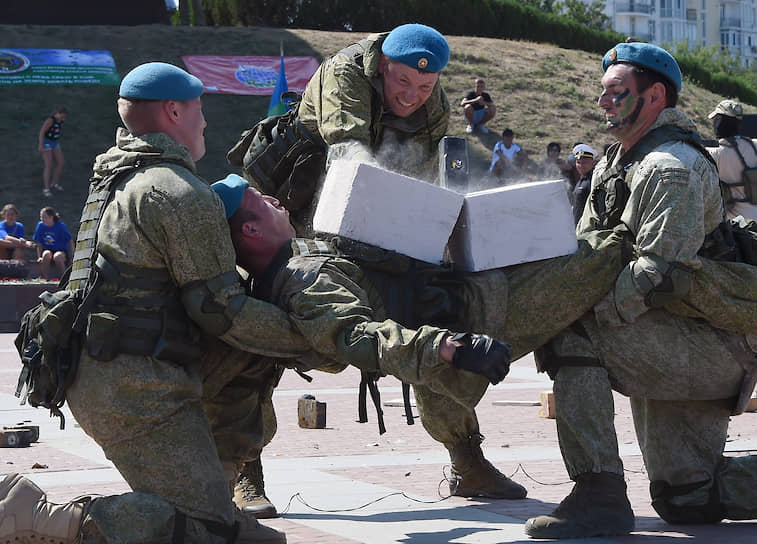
x: 523, y: 305
x: 683, y: 377
x: 176, y: 433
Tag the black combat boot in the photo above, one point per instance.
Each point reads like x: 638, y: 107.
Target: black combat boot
x: 249, y: 493
x: 597, y: 506
x: 474, y: 476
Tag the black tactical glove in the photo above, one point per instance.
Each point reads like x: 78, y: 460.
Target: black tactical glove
x: 482, y: 355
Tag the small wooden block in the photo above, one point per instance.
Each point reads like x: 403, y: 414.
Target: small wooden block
x: 752, y: 406
x: 547, y: 409
x: 311, y: 414
x: 15, y: 439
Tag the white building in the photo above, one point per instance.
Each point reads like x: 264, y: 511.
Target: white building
x: 730, y: 23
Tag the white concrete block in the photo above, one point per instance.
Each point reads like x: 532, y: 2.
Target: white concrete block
x: 388, y: 210
x: 513, y: 224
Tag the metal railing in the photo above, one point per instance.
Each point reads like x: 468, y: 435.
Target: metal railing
x: 733, y: 22
x: 632, y: 7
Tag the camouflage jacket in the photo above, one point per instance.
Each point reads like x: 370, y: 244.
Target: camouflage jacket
x: 336, y: 308
x: 344, y: 103
x: 165, y: 219
x: 674, y: 203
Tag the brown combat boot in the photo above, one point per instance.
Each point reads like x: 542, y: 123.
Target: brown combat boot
x: 597, y: 506
x: 474, y: 476
x: 249, y: 492
x: 252, y: 532
x: 26, y: 517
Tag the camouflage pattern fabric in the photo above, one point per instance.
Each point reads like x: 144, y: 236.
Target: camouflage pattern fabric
x: 526, y: 305
x: 150, y: 416
x: 343, y: 102
x: 512, y: 304
x: 330, y: 301
x: 662, y: 361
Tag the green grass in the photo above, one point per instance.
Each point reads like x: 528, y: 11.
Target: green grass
x: 543, y: 93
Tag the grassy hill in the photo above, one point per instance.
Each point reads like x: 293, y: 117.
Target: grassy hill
x: 543, y: 93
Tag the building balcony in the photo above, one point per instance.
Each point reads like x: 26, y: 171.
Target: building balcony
x: 730, y: 22
x: 636, y: 8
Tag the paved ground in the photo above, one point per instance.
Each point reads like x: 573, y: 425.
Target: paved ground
x: 346, y: 484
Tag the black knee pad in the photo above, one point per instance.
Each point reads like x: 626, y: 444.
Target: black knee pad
x: 686, y: 514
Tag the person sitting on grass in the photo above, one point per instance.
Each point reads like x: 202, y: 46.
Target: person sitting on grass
x: 478, y: 108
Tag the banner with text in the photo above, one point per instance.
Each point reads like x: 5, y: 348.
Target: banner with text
x: 57, y: 67
x: 249, y: 75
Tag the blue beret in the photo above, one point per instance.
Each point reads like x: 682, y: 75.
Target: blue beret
x: 160, y: 81
x: 647, y: 55
x: 418, y: 46
x: 231, y: 190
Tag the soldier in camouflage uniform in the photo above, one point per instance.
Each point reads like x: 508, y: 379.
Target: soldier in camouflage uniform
x: 380, y: 101
x: 145, y: 388
x: 333, y: 305
x: 326, y: 294
x: 684, y: 376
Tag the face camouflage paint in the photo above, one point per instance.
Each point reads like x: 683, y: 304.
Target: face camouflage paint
x: 627, y: 105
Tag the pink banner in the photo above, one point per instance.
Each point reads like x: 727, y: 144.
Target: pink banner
x: 249, y: 75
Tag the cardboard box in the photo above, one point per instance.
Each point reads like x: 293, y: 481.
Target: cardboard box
x: 513, y: 224
x: 388, y: 210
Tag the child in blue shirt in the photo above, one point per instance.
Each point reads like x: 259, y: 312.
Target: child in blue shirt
x: 53, y: 241
x: 12, y: 241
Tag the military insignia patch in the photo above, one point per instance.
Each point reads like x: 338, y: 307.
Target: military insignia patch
x: 613, y: 55
x: 422, y: 62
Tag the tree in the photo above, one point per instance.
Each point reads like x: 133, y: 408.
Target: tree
x: 591, y: 15
x: 547, y: 6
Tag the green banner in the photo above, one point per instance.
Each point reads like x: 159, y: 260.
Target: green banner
x: 57, y: 67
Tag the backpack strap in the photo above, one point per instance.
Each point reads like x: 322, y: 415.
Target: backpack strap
x: 733, y: 142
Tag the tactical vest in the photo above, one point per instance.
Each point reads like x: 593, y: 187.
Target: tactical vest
x: 282, y: 158
x: 154, y: 325
x: 610, y: 195
x: 293, y: 269
x: 53, y: 332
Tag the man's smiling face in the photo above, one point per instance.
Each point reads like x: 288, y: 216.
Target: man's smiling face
x: 405, y: 89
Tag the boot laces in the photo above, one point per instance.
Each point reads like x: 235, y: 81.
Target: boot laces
x: 249, y: 490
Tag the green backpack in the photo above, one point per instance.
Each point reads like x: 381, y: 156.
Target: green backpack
x: 49, y: 342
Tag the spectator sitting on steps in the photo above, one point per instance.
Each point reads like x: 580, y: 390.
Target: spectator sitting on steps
x: 53, y: 242
x: 12, y: 242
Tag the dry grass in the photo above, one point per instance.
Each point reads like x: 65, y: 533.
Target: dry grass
x: 543, y: 93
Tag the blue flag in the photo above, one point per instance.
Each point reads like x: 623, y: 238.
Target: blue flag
x: 278, y: 106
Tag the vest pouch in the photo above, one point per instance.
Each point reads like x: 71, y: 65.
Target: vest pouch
x: 103, y: 336
x: 179, y: 340
x: 297, y: 191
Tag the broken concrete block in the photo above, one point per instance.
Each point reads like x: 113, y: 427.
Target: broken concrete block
x: 311, y: 414
x: 513, y: 224
x: 388, y: 210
